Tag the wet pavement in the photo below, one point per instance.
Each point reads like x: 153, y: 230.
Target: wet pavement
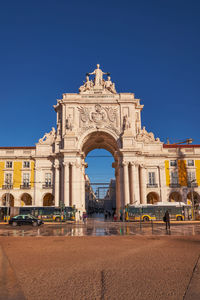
x: 98, y: 227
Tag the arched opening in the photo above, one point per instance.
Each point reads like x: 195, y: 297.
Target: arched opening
x: 26, y: 199
x: 152, y: 198
x: 102, y: 157
x: 100, y: 186
x: 175, y: 197
x: 196, y: 198
x: 8, y: 200
x: 48, y: 200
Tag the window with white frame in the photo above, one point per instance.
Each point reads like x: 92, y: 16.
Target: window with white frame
x: 173, y: 163
x: 191, y: 176
x: 174, y: 177
x: 26, y: 179
x: 8, y: 178
x: 9, y: 164
x: 152, y: 178
x: 48, y: 179
x: 190, y: 163
x: 26, y: 164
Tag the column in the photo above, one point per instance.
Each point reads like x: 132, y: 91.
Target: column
x: 66, y: 184
x: 56, y: 192
x: 118, y: 202
x: 83, y: 185
x: 73, y: 185
x: 78, y: 186
x: 142, y: 184
x: 126, y: 183
x: 37, y: 201
x: 132, y: 183
x: 161, y: 171
x: 137, y: 184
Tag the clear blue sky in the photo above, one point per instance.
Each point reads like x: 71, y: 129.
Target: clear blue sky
x: 151, y: 48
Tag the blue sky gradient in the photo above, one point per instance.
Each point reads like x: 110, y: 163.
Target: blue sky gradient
x: 151, y: 48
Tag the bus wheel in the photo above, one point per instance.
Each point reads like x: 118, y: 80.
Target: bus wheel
x: 57, y: 219
x: 14, y: 224
x: 179, y: 218
x: 146, y: 219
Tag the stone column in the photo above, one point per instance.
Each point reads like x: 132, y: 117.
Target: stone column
x: 132, y: 182
x: 137, y: 184
x: 57, y: 179
x: 126, y: 183
x: 121, y: 185
x: 78, y: 185
x: 118, y: 201
x: 161, y: 171
x: 73, y: 184
x: 83, y: 185
x: 66, y: 184
x: 142, y: 184
x: 37, y: 201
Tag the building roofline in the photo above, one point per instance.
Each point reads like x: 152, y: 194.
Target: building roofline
x: 23, y: 147
x: 180, y: 146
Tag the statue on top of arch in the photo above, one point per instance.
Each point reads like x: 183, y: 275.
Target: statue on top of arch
x: 99, y: 83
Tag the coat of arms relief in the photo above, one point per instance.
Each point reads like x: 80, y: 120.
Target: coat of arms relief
x: 98, y: 117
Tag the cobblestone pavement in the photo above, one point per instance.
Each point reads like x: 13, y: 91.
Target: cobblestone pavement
x: 98, y: 227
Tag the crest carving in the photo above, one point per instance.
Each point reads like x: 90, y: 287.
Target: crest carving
x: 98, y: 117
x: 98, y: 114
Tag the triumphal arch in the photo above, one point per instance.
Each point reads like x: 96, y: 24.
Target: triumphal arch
x: 53, y: 172
x: 98, y: 117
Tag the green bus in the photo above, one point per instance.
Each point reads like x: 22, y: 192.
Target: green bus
x: 178, y: 211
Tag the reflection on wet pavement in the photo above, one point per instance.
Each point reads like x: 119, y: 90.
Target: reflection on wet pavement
x: 97, y: 227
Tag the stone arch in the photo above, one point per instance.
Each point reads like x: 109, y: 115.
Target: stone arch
x: 48, y: 199
x: 152, y: 198
x: 175, y: 197
x: 196, y: 198
x: 26, y: 199
x: 10, y: 198
x: 100, y: 140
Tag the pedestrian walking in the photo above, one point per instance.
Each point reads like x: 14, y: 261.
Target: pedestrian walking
x: 105, y: 215
x: 84, y: 217
x: 115, y: 217
x: 166, y: 219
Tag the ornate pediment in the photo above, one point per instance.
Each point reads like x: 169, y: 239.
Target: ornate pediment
x: 98, y: 84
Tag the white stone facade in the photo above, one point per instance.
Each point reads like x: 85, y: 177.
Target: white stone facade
x: 99, y: 117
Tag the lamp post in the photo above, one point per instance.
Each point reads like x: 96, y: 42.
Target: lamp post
x: 192, y: 198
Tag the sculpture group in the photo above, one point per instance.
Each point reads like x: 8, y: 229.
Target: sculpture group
x: 98, y: 82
